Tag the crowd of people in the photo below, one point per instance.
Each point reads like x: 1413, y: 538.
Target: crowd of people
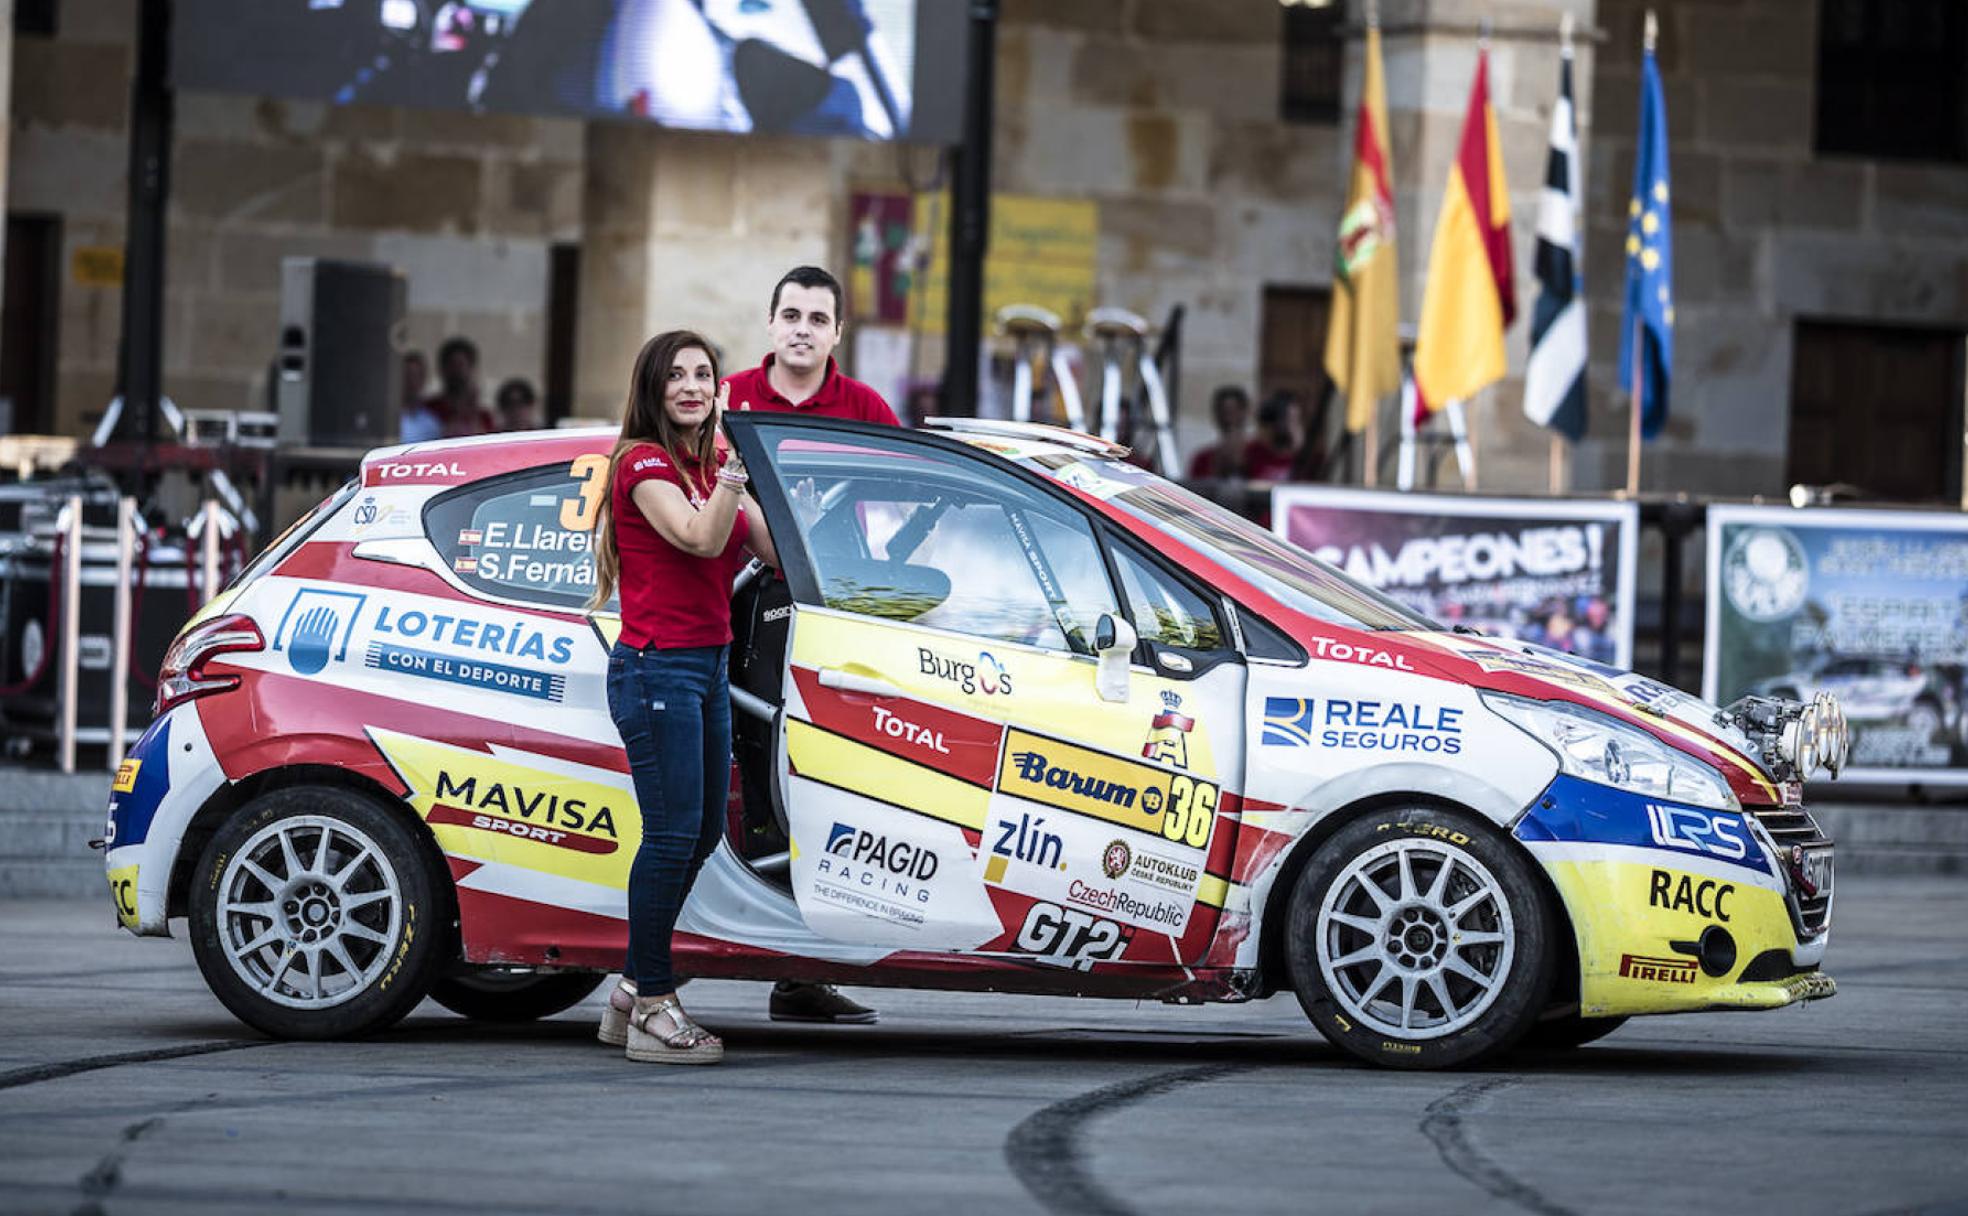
x: 456, y: 408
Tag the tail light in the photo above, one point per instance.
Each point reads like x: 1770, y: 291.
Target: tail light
x: 183, y: 676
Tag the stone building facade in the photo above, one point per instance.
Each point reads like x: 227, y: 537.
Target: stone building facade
x: 1166, y: 114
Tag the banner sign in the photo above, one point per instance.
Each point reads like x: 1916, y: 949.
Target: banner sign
x: 1551, y: 571
x: 1871, y: 606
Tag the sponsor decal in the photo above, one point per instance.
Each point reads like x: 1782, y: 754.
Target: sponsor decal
x: 465, y: 565
x: 471, y: 536
x: 1350, y: 652
x: 651, y: 461
x: 1543, y: 669
x: 1121, y: 860
x: 529, y: 813
x: 1658, y: 970
x: 869, y: 873
x: 1119, y: 902
x: 1168, y: 732
x: 986, y: 676
x: 1686, y: 893
x: 1069, y: 934
x: 1347, y: 724
x: 316, y: 627
x: 365, y: 511
x: 1174, y: 805
x: 777, y: 614
x: 403, y: 472
x: 123, y: 892
x: 1717, y: 833
x: 516, y: 638
x: 126, y: 776
x: 896, y: 726
x: 1028, y: 841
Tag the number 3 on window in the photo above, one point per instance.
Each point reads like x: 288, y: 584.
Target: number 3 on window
x: 577, y: 514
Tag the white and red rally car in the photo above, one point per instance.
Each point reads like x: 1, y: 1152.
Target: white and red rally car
x: 1019, y: 717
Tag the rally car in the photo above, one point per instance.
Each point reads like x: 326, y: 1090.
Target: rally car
x: 1018, y: 716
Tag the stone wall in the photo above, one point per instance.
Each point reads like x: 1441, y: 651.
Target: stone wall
x: 468, y: 206
x: 1166, y: 113
x: 1765, y: 231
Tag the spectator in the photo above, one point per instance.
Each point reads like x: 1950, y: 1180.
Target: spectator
x: 456, y: 404
x: 518, y: 405
x: 1230, y: 409
x: 1270, y: 456
x: 416, y: 421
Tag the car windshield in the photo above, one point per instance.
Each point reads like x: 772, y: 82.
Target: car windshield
x: 1277, y: 567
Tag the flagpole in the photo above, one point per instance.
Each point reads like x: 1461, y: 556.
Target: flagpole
x: 1557, y: 464
x: 1650, y: 35
x: 1565, y: 27
x: 1370, y: 475
x: 1633, y: 405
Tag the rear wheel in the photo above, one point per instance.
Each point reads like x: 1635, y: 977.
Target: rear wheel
x: 315, y: 914
x: 1420, y: 939
x: 508, y: 994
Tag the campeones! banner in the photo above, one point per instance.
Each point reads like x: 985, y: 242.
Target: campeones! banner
x: 1871, y: 606
x: 1556, y: 573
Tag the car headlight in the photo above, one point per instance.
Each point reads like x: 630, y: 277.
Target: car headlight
x: 1598, y: 748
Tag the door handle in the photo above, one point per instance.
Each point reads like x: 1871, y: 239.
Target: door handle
x: 847, y: 681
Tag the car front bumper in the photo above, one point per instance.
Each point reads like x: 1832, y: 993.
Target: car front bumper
x: 1675, y: 909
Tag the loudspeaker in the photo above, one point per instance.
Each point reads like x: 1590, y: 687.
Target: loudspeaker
x: 341, y: 332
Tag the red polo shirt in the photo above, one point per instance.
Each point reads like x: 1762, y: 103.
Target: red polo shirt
x: 839, y: 396
x: 671, y: 598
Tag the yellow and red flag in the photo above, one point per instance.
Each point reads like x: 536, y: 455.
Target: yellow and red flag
x: 1363, y: 340
x: 1469, y: 298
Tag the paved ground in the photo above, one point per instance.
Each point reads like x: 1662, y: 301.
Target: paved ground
x: 125, y: 1087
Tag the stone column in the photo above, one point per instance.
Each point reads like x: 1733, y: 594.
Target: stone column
x: 691, y: 230
x: 1430, y: 48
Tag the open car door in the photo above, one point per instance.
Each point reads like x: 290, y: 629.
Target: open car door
x: 954, y: 776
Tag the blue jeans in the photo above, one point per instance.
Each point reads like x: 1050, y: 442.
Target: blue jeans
x: 673, y: 709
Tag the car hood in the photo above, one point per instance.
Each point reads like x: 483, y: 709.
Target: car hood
x: 1678, y: 718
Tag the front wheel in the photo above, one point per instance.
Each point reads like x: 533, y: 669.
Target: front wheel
x: 1418, y: 938
x: 315, y: 914
x: 502, y: 994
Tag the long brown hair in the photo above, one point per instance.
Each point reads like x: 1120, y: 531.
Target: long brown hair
x: 644, y: 420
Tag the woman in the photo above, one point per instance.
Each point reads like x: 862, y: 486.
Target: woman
x: 672, y: 534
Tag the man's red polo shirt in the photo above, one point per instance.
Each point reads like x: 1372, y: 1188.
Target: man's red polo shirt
x: 839, y: 396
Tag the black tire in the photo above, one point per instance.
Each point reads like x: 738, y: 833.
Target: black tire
x: 1519, y: 965
x: 393, y: 927
x: 1568, y: 1031
x: 493, y: 994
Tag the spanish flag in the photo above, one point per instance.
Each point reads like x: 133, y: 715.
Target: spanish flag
x: 1363, y: 341
x: 1469, y: 298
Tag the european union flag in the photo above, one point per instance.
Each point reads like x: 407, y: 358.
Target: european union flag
x: 1649, y: 307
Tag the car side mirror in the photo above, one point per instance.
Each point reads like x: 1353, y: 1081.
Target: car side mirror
x: 1113, y: 642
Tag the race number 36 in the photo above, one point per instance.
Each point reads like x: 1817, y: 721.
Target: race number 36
x: 1191, y: 811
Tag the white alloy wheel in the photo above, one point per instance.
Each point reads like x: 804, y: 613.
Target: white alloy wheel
x: 1415, y: 939
x: 308, y: 909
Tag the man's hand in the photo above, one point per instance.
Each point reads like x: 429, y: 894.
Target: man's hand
x: 806, y: 501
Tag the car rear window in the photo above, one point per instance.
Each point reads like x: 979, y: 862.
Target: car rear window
x: 524, y: 536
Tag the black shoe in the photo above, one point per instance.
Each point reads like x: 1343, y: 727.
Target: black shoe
x: 817, y: 1003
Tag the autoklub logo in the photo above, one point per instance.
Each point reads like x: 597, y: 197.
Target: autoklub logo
x: 1116, y: 858
x: 986, y: 675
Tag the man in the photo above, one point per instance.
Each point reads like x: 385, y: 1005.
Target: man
x: 416, y: 423
x: 518, y: 405
x: 456, y: 405
x: 1230, y: 409
x: 800, y: 377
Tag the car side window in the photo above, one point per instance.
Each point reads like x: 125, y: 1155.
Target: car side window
x: 1165, y: 611
x: 523, y: 536
x: 939, y: 540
